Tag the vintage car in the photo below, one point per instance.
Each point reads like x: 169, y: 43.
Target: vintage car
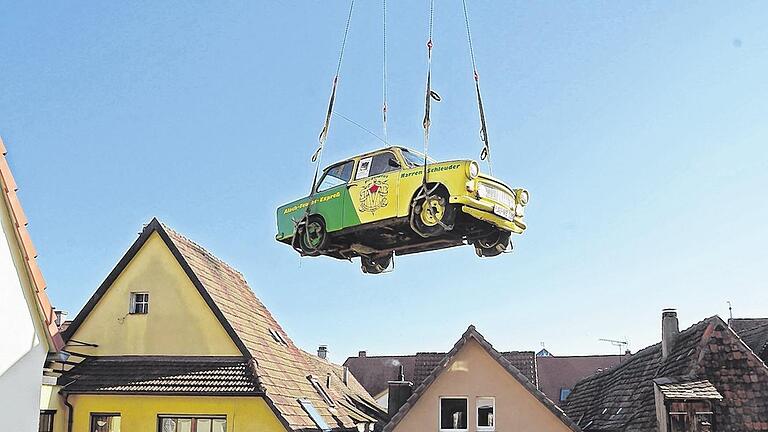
x: 375, y: 205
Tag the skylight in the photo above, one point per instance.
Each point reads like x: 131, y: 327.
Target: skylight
x: 314, y: 414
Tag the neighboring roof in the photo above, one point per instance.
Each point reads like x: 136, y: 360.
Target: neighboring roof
x: 523, y: 361
x: 677, y: 389
x: 754, y: 332
x: 622, y: 398
x: 170, y: 375
x: 557, y: 373
x: 281, y: 368
x: 374, y: 372
x: 468, y: 335
x: 29, y: 253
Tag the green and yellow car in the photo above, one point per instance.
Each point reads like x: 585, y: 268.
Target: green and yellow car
x: 375, y: 205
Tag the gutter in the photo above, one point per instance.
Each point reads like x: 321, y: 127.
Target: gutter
x: 70, y: 411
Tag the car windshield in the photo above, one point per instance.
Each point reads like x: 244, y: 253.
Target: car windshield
x: 336, y: 175
x: 414, y: 158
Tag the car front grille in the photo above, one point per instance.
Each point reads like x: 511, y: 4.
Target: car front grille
x: 496, y: 194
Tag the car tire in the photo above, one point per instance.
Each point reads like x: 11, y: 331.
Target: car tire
x: 493, y: 244
x: 375, y: 264
x: 432, y: 216
x: 313, y: 237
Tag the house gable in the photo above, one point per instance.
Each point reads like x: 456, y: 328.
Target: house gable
x: 473, y: 369
x: 179, y: 322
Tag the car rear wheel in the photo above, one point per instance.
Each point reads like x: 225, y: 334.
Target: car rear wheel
x: 313, y: 236
x: 375, y: 264
x: 493, y: 244
x: 432, y: 216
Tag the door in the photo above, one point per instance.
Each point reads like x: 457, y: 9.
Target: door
x: 331, y: 194
x: 374, y: 190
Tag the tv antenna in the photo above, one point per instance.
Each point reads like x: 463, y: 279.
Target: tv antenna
x: 617, y: 343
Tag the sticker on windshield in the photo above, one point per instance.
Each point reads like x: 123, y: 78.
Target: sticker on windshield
x: 363, y: 168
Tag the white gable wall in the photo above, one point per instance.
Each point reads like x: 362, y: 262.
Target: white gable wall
x: 23, y: 352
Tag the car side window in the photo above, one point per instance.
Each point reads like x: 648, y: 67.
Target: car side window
x: 336, y: 175
x: 377, y: 164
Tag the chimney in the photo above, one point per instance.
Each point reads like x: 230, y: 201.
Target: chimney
x: 361, y: 354
x: 322, y: 351
x: 669, y: 331
x: 399, y: 392
x: 345, y: 375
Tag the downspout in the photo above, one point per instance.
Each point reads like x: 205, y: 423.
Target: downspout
x: 70, y: 412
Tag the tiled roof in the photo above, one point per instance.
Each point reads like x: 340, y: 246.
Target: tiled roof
x: 374, y: 372
x: 472, y: 333
x: 19, y: 219
x: 622, y: 398
x: 754, y: 332
x: 677, y: 389
x: 523, y: 361
x: 555, y: 373
x: 164, y: 375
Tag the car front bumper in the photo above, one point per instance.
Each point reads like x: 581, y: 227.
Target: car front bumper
x: 483, y: 210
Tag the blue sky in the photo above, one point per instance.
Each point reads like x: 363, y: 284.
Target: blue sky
x: 639, y: 128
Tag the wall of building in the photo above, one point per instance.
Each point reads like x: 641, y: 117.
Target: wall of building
x: 24, y: 349
x: 179, y: 321
x: 51, y: 400
x: 140, y: 413
x: 473, y: 374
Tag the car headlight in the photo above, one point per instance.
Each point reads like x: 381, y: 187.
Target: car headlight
x: 522, y: 195
x: 473, y: 170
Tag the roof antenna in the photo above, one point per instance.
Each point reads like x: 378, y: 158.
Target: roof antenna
x: 730, y: 312
x: 617, y: 343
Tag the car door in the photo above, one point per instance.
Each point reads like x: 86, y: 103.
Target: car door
x: 374, y: 190
x: 331, y: 197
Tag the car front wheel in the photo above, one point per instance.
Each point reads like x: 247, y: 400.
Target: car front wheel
x: 432, y: 216
x: 493, y: 244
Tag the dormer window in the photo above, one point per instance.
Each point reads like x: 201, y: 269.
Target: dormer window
x: 139, y: 303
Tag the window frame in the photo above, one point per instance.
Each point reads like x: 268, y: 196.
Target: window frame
x: 132, y: 309
x: 329, y: 168
x: 194, y: 418
x: 321, y: 391
x: 104, y: 414
x: 564, y: 389
x: 477, y: 414
x: 440, y: 413
x: 52, y: 414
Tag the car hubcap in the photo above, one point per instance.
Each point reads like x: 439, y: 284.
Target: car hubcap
x: 314, y: 234
x: 432, y: 212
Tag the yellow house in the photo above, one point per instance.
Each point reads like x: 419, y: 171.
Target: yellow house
x: 174, y: 340
x: 474, y: 389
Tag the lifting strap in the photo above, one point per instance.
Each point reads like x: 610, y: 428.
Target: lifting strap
x: 384, y: 71
x: 429, y: 96
x: 485, y: 153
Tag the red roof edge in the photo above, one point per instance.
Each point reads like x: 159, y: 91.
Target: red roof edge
x: 29, y: 253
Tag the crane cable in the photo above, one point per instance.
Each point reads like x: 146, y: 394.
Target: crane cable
x: 429, y: 96
x: 317, y: 155
x: 485, y: 154
x: 384, y: 71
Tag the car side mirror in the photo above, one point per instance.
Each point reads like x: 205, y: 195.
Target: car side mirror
x: 394, y: 163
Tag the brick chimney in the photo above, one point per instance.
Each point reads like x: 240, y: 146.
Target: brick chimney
x: 399, y: 392
x: 669, y: 331
x: 362, y: 354
x: 322, y: 351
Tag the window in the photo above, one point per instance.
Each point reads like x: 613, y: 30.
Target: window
x: 486, y: 415
x: 46, y: 421
x: 413, y: 158
x: 314, y: 414
x: 277, y: 337
x: 192, y: 424
x: 139, y: 303
x: 377, y: 164
x: 105, y: 422
x: 336, y: 175
x: 564, y: 392
x: 453, y: 414
x: 694, y: 416
x: 320, y: 390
